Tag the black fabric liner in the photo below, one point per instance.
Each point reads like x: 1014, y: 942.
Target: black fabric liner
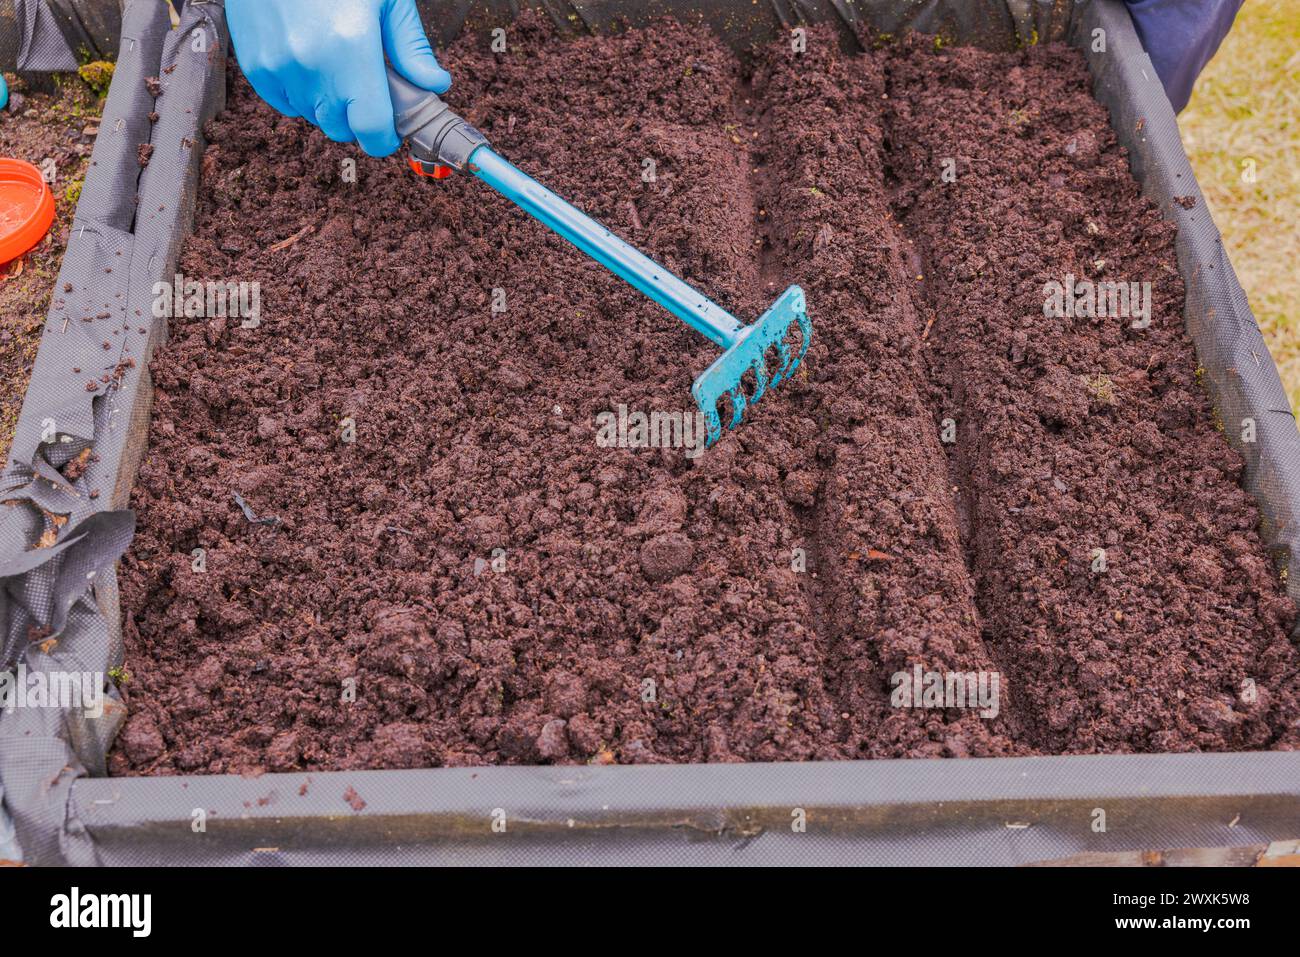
x: 57, y: 806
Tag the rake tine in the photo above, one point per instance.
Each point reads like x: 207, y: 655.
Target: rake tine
x: 787, y: 357
x: 760, y: 378
x: 712, y: 426
x: 737, y: 406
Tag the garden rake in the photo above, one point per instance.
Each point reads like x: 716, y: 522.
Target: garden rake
x: 442, y: 141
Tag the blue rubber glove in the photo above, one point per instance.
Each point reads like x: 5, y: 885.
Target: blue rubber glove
x: 324, y: 60
x: 1181, y: 36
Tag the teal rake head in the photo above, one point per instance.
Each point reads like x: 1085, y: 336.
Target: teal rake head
x: 765, y: 348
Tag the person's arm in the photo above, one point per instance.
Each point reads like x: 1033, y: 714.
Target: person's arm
x: 324, y: 60
x: 1181, y: 36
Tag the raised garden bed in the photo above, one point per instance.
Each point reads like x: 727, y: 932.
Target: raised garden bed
x: 501, y: 588
x: 846, y: 472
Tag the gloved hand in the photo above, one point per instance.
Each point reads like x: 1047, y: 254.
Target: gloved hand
x: 1181, y: 36
x: 324, y: 60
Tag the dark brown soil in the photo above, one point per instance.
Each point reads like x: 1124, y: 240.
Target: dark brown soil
x: 38, y: 127
x: 474, y: 580
x: 1082, y: 434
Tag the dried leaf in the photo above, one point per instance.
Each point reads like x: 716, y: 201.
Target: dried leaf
x: 286, y: 243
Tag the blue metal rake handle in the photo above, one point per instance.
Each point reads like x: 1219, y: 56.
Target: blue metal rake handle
x: 638, y: 269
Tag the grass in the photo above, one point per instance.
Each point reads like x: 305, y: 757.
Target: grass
x: 1246, y: 110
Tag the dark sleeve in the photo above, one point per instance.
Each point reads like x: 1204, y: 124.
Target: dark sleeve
x: 1181, y: 36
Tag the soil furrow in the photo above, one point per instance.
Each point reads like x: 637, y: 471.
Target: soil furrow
x: 894, y: 587
x: 943, y: 388
x: 751, y: 127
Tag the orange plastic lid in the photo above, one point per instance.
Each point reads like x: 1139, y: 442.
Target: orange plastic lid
x: 26, y: 208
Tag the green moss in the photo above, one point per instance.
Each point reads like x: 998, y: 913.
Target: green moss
x: 1030, y: 41
x: 97, y: 75
x: 1101, y: 388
